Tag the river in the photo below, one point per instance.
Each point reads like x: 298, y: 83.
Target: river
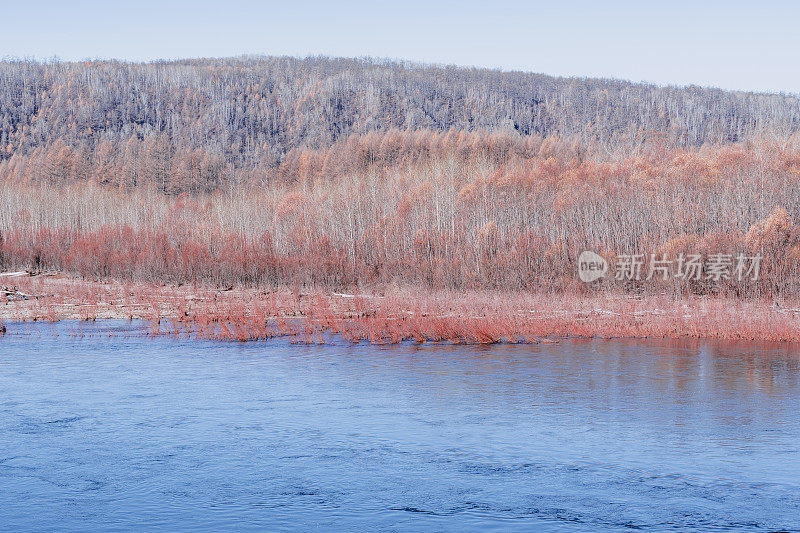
x: 105, y: 429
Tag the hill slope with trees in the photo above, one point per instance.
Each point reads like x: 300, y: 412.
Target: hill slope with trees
x: 200, y: 125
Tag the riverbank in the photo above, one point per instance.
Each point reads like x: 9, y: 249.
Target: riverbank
x: 391, y: 316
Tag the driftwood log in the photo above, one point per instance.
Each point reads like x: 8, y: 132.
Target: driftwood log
x: 11, y: 295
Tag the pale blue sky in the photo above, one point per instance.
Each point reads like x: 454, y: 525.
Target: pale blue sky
x: 734, y: 44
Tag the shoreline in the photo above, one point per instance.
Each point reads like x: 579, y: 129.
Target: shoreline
x: 392, y: 315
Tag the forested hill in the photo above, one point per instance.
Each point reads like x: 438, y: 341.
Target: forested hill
x: 220, y: 116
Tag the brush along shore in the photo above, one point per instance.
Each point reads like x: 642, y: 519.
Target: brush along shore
x: 394, y: 314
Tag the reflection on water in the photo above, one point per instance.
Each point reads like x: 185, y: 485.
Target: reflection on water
x: 122, y: 433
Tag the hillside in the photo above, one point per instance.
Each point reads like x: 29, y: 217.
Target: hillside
x: 199, y: 125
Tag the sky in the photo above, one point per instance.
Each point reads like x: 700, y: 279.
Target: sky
x: 733, y: 45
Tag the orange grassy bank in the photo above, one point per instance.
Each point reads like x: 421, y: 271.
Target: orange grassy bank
x: 391, y: 316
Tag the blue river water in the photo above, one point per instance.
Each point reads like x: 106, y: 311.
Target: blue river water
x: 110, y: 431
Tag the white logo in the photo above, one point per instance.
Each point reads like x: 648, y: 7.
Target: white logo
x: 591, y: 266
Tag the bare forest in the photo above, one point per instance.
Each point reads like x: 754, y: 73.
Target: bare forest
x: 367, y: 174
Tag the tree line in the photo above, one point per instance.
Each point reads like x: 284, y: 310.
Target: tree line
x: 459, y: 221
x: 201, y: 125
